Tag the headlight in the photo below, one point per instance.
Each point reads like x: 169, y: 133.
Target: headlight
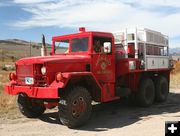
x: 43, y: 70
x: 132, y: 65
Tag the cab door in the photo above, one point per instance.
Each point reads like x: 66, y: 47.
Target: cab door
x: 103, y: 64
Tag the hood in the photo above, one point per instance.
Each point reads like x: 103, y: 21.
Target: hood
x: 53, y: 64
x: 53, y: 59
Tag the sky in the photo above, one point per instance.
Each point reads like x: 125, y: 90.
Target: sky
x: 29, y: 19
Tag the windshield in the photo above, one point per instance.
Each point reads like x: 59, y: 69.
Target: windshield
x: 62, y: 46
x: 80, y: 44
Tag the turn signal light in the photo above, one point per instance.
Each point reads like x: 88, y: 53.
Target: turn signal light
x: 59, y: 77
x: 12, y: 76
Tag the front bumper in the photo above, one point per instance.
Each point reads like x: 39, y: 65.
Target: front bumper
x: 35, y: 92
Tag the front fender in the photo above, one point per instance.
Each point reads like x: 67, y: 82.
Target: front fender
x: 69, y: 75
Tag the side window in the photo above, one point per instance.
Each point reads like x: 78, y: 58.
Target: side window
x: 156, y: 50
x: 164, y: 51
x: 98, y: 43
x: 62, y: 46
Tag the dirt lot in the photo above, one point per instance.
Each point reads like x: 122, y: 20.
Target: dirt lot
x: 117, y: 118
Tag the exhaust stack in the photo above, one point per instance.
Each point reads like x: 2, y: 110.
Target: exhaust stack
x: 43, y: 49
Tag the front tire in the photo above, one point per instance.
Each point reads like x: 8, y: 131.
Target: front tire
x: 146, y: 93
x: 75, y: 107
x: 30, y: 107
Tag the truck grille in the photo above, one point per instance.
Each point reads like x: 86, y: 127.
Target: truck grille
x: 24, y: 71
x: 40, y: 80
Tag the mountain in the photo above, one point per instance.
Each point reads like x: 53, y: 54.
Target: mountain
x: 21, y: 42
x: 174, y: 51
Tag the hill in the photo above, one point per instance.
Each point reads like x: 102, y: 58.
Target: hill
x: 14, y: 49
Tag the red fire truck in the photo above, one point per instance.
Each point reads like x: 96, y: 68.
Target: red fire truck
x: 96, y: 66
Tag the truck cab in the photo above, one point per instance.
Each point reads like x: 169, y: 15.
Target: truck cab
x: 97, y: 52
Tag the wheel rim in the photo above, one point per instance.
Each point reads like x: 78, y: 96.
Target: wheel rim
x: 78, y: 107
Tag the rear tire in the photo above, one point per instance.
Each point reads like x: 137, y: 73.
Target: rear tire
x: 75, y: 107
x: 146, y: 93
x: 30, y: 107
x: 162, y: 89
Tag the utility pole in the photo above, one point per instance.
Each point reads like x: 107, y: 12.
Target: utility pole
x: 30, y: 49
x: 1, y: 54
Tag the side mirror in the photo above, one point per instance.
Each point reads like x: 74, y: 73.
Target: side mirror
x: 107, y: 47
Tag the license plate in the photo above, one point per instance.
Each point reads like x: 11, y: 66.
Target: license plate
x: 29, y: 80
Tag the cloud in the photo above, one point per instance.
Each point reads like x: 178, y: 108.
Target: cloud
x: 173, y: 3
x: 103, y: 15
x: 31, y: 1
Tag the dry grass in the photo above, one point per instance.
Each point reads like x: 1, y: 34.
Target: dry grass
x: 8, y: 108
x: 176, y: 67
x: 175, y: 81
x: 7, y: 102
x: 175, y: 76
